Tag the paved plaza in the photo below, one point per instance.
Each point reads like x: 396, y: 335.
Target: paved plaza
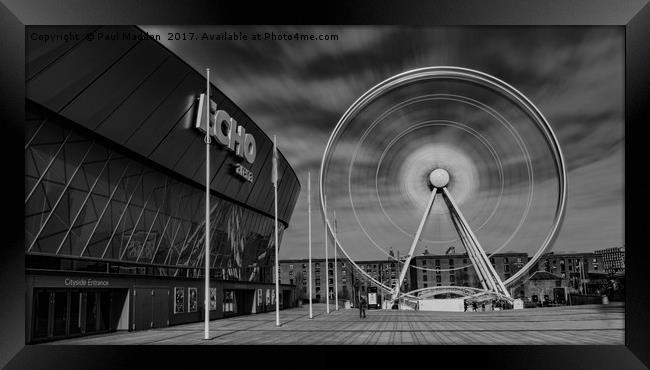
x: 588, y: 324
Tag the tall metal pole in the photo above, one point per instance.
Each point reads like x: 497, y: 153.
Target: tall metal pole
x: 277, y: 264
x: 336, y: 267
x: 311, y: 312
x: 206, y: 334
x: 327, y: 274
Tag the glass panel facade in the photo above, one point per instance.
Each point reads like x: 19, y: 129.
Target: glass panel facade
x: 87, y: 199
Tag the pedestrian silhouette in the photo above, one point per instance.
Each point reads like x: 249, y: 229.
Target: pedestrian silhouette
x: 362, y: 307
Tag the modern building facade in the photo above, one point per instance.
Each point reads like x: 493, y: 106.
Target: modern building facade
x: 115, y: 190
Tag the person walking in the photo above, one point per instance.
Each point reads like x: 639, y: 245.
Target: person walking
x: 474, y: 306
x: 362, y: 307
x: 465, y: 305
x: 483, y: 306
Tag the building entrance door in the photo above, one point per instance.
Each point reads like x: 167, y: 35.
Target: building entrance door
x: 238, y: 301
x: 150, y: 308
x: 285, y: 299
x: 63, y: 313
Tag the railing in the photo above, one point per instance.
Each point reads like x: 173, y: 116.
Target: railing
x: 52, y: 263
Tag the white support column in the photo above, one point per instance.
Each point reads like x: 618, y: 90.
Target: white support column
x: 405, y: 267
x: 336, y: 282
x: 494, y: 278
x: 277, y: 257
x: 311, y: 312
x: 482, y: 262
x: 471, y: 251
x: 327, y: 274
x: 206, y: 318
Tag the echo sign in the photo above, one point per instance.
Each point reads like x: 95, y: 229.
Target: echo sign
x: 225, y: 130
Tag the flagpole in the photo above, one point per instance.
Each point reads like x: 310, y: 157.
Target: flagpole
x: 336, y: 267
x: 311, y: 313
x: 327, y: 268
x: 206, y: 334
x: 277, y: 268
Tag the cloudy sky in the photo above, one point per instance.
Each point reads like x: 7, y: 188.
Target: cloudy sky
x: 299, y: 90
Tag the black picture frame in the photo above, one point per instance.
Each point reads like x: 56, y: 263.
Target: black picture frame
x: 633, y: 15
x: 192, y: 299
x: 213, y: 299
x: 179, y: 300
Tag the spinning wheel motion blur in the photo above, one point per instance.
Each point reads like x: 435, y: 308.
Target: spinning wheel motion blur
x: 464, y: 135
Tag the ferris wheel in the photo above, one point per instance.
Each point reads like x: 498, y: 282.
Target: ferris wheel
x: 438, y: 157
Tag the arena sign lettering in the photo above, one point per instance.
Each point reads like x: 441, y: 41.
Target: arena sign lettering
x: 85, y: 282
x: 225, y: 130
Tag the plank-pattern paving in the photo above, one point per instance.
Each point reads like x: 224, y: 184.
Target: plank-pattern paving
x: 589, y: 324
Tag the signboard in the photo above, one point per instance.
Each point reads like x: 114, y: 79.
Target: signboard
x: 243, y: 172
x: 225, y: 130
x: 372, y: 297
x: 86, y: 283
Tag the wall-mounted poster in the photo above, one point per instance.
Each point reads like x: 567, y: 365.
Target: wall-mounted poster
x: 179, y: 300
x: 272, y: 296
x: 268, y: 296
x: 259, y: 296
x: 192, y: 300
x: 213, y: 299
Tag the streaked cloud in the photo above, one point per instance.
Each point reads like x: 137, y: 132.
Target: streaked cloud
x: 299, y: 90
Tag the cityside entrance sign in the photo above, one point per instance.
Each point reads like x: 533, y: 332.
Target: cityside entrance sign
x: 226, y: 131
